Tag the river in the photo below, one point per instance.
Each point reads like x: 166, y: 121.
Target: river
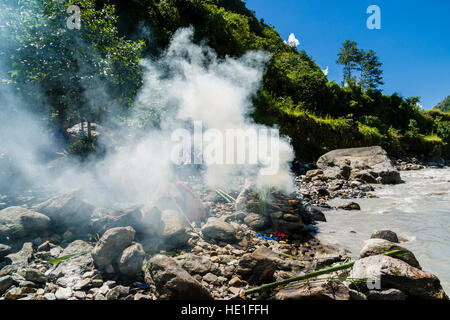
x: 418, y: 210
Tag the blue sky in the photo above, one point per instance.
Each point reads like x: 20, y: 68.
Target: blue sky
x: 413, y: 43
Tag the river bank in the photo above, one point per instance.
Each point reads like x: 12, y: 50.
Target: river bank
x: 417, y: 210
x: 213, y: 244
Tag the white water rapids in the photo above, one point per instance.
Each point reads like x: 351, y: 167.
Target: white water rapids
x: 418, y: 210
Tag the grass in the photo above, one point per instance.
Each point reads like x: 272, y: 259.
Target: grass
x: 432, y: 138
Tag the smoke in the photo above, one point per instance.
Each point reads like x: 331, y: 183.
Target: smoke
x: 187, y: 85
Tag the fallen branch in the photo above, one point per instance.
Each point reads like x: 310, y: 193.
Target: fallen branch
x: 310, y: 275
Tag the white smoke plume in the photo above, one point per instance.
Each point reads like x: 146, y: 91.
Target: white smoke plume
x: 188, y: 83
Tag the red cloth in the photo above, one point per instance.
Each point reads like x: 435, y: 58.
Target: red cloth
x: 193, y: 205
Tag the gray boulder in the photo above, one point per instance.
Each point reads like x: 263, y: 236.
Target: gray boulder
x: 393, y: 273
x: 33, y: 275
x: 111, y: 245
x: 18, y: 222
x: 174, y: 233
x: 316, y: 214
x: 373, y: 247
x: 173, y: 282
x: 259, y: 266
x: 372, y: 162
x: 386, y: 235
x: 195, y: 264
x: 70, y: 272
x: 255, y: 221
x: 131, y: 216
x: 131, y: 260
x: 5, y: 283
x: 219, y: 230
x: 69, y: 210
x: 350, y: 206
x: 23, y: 257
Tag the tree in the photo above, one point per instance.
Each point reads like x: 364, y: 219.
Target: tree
x: 444, y: 105
x: 371, y: 73
x: 81, y: 73
x: 350, y: 57
x: 366, y: 63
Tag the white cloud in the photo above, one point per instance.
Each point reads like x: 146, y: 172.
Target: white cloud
x: 292, y: 41
x: 325, y: 71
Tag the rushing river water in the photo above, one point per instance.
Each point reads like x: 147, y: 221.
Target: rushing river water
x: 418, y: 210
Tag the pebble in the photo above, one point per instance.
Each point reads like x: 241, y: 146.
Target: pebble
x: 63, y: 293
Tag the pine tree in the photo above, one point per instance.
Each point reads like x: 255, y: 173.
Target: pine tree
x: 350, y: 57
x: 371, y: 73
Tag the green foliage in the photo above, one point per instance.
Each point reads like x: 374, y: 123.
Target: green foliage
x: 82, y: 73
x: 94, y: 72
x: 444, y: 105
x: 366, y: 63
x: 83, y: 147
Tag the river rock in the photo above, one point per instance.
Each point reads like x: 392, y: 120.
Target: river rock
x: 316, y: 214
x: 131, y: 259
x: 386, y: 235
x: 259, y: 266
x: 255, y: 221
x: 111, y: 244
x: 327, y: 254
x: 313, y: 173
x: 373, y: 247
x: 33, y: 275
x: 391, y: 294
x: 314, y: 291
x: 131, y: 216
x: 218, y: 230
x: 350, y: 206
x: 63, y: 293
x: 70, y: 272
x: 195, y: 264
x: 152, y: 223
x: 373, y: 160
x: 174, y: 232
x: 5, y: 283
x: 23, y: 257
x: 391, y: 273
x: 13, y: 293
x: 69, y: 210
x: 18, y: 222
x: 172, y: 282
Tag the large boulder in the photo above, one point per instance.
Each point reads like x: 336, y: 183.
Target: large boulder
x: 174, y: 233
x: 172, y: 282
x: 195, y: 264
x: 112, y: 244
x: 259, y: 266
x: 131, y: 216
x: 131, y: 260
x: 391, y: 273
x: 369, y: 164
x: 68, y: 273
x: 22, y: 257
x: 18, y: 222
x: 386, y: 235
x: 219, y: 230
x: 5, y: 283
x: 373, y: 247
x: 68, y: 210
